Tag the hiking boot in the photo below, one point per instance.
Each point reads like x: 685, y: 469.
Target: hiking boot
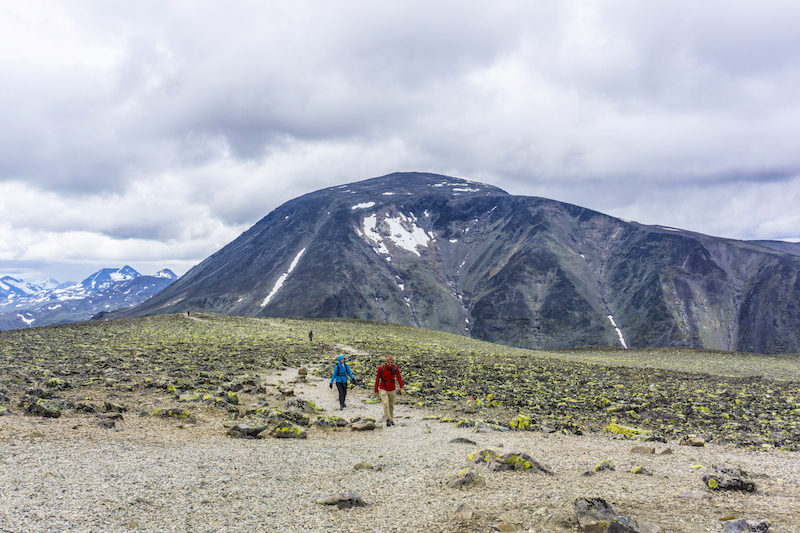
x: 389, y: 423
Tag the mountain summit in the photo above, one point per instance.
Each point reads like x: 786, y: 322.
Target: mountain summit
x: 464, y: 257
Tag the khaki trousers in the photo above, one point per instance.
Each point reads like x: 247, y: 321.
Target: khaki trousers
x: 387, y: 399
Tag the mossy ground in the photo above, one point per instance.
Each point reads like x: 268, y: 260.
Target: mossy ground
x: 749, y: 400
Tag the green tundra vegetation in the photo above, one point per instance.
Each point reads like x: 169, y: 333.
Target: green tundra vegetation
x: 743, y: 399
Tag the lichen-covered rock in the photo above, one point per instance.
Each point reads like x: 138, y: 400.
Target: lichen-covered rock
x: 5, y: 411
x: 190, y: 397
x: 245, y: 429
x: 606, y: 464
x: 722, y: 478
x: 364, y: 424
x: 44, y: 408
x: 521, y: 423
x: 628, y: 431
x: 111, y: 407
x: 301, y: 405
x: 343, y: 500
x: 231, y: 398
x: 469, y: 477
x: 288, y: 430
x: 58, y: 384
x: 175, y: 412
x: 499, y: 461
x: 331, y: 422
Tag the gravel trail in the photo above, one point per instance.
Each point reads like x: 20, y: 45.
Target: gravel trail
x: 154, y: 474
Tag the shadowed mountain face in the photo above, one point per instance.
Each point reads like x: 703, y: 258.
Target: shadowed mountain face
x: 449, y: 254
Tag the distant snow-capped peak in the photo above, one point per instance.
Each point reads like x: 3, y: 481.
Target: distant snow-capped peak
x: 165, y: 273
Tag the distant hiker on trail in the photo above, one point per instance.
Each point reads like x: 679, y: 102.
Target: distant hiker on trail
x: 310, y: 336
x: 384, y: 385
x: 341, y: 372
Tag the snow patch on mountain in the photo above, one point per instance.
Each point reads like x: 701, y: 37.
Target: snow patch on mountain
x: 283, y: 278
x: 619, y: 332
x: 365, y: 205
x: 401, y: 230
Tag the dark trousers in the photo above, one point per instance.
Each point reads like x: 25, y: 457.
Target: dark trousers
x: 342, y: 392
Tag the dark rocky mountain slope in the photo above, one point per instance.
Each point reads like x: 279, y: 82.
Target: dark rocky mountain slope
x: 449, y: 254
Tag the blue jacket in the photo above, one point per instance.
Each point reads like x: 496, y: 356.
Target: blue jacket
x: 341, y: 372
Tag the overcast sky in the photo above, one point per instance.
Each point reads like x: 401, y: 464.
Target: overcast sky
x: 152, y: 133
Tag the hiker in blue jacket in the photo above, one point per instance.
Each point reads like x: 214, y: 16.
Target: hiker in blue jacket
x: 341, y: 373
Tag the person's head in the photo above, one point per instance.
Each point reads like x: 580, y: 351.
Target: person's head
x: 389, y: 359
x: 341, y: 358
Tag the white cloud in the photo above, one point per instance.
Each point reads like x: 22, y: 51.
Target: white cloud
x: 177, y: 125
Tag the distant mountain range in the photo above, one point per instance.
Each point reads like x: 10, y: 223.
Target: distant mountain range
x: 49, y: 302
x: 464, y: 257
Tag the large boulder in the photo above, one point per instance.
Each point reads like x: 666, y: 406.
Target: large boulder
x: 722, y: 478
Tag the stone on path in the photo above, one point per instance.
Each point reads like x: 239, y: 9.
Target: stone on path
x: 464, y: 512
x: 364, y: 424
x: 644, y: 450
x: 288, y: 430
x: 469, y: 477
x: 591, y: 511
x: 497, y: 461
x: 246, y: 429
x: 694, y: 495
x: 693, y: 440
x: 745, y: 526
x: 343, y: 500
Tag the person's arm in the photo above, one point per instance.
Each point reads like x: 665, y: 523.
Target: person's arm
x: 350, y: 373
x: 400, y: 380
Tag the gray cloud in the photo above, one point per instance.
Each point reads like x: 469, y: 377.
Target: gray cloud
x: 174, y: 126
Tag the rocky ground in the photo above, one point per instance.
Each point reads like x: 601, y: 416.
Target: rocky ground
x: 126, y: 467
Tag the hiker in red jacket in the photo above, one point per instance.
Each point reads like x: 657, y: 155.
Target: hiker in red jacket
x: 384, y: 385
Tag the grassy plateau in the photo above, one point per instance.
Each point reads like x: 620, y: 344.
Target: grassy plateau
x: 741, y: 399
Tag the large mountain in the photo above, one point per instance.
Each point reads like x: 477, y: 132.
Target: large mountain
x: 49, y: 302
x: 449, y: 254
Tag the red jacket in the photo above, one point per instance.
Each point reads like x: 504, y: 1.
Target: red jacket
x: 386, y: 376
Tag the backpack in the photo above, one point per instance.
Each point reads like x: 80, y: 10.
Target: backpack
x: 391, y: 370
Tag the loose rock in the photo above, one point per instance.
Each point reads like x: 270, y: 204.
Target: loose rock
x: 343, y: 500
x: 741, y: 525
x: 245, y: 429
x: 722, y: 478
x: 464, y: 512
x: 469, y: 477
x: 497, y: 461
